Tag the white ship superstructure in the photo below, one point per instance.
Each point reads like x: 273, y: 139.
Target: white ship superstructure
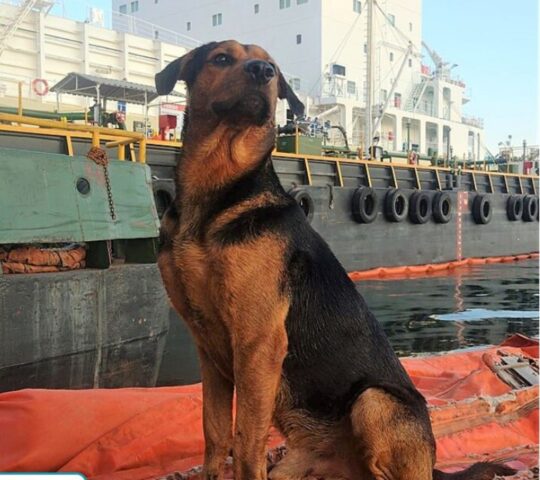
x: 322, y: 46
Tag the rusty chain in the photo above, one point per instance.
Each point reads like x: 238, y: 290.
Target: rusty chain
x: 99, y: 157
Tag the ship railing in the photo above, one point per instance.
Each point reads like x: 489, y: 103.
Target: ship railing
x: 316, y: 169
x: 325, y: 171
x: 354, y: 171
x: 117, y: 138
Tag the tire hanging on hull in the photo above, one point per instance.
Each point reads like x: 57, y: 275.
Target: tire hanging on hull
x: 420, y: 207
x: 530, y: 208
x: 514, y: 208
x: 482, y: 210
x: 304, y: 200
x: 364, y: 205
x: 442, y: 207
x: 396, y: 205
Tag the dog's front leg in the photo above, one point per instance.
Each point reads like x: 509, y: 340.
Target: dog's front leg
x: 217, y: 417
x: 257, y: 369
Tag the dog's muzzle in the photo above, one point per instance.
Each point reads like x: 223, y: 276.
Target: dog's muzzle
x: 261, y: 72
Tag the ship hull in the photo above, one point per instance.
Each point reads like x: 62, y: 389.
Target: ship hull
x: 83, y: 329
x: 361, y: 246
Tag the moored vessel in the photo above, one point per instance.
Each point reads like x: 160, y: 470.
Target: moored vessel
x: 81, y: 300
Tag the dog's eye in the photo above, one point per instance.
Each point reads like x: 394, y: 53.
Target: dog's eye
x: 222, y: 59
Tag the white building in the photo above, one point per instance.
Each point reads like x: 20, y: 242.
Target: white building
x: 41, y: 46
x: 322, y: 47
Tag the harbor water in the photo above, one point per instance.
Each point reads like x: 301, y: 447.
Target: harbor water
x: 469, y: 307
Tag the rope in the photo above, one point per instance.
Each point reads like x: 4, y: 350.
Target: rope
x: 29, y: 259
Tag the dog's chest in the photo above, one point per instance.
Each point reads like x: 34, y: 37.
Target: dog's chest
x: 198, y: 274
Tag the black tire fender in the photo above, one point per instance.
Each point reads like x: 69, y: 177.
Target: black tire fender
x: 530, y: 208
x: 364, y: 205
x: 164, y: 194
x: 396, y: 205
x: 442, y: 207
x: 514, y: 207
x: 482, y: 210
x: 304, y: 201
x: 420, y: 207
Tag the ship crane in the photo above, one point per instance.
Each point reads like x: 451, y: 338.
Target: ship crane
x: 441, y: 67
x: 22, y: 12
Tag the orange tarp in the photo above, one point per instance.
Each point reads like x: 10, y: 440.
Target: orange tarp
x: 146, y: 433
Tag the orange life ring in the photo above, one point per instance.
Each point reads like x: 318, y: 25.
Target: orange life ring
x: 40, y: 86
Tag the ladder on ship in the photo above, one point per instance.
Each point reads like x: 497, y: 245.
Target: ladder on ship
x: 416, y: 95
x: 21, y: 13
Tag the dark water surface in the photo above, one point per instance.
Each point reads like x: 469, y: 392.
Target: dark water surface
x: 473, y: 306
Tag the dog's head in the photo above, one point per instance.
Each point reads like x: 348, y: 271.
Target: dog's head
x: 230, y: 81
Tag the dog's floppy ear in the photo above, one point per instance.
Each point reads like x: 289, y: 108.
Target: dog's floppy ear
x: 176, y: 70
x: 285, y: 91
x: 185, y: 68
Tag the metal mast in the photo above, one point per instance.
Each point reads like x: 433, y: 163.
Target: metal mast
x: 368, y: 127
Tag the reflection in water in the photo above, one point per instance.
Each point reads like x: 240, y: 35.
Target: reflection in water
x: 476, y: 306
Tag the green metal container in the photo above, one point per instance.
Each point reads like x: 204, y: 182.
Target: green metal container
x: 306, y: 145
x: 49, y: 198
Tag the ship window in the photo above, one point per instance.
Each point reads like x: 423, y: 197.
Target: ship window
x: 294, y: 83
x: 135, y: 6
x: 392, y: 19
x: 188, y: 26
x: 256, y: 8
x: 284, y: 4
x: 351, y: 87
x: 391, y: 56
x: 298, y: 39
x: 301, y: 2
x: 357, y: 6
x: 338, y: 70
x: 122, y: 9
x: 217, y: 19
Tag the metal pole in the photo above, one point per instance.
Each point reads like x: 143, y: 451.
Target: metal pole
x: 97, y: 118
x: 20, y: 102
x: 145, y: 113
x: 448, y: 145
x: 368, y: 129
x: 478, y: 149
x: 378, y: 121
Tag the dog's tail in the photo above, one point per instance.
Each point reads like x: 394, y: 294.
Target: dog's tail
x: 478, y: 471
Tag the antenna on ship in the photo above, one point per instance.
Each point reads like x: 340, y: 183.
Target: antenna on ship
x: 369, y: 80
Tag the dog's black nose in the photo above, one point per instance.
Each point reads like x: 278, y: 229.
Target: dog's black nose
x: 260, y: 71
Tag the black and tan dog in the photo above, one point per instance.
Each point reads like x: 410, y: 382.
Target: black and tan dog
x: 272, y: 311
